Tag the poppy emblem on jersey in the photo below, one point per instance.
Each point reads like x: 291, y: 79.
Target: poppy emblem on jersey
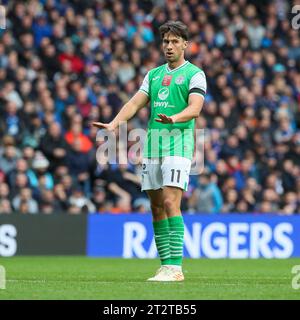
x: 180, y: 79
x: 163, y: 93
x: 167, y: 80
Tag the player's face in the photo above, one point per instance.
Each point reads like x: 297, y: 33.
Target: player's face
x: 173, y: 47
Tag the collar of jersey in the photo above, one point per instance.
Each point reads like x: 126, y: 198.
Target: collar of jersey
x: 179, y: 67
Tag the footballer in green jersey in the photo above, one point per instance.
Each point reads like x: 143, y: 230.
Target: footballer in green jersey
x: 169, y: 91
x: 176, y: 93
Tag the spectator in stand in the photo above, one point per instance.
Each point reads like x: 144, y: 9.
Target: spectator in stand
x: 79, y: 165
x: 24, y: 202
x: 8, y: 158
x: 67, y: 184
x: 21, y: 182
x: 5, y: 206
x: 5, y: 198
x: 38, y: 176
x: 48, y: 203
x: 123, y: 184
x: 231, y: 201
x: 61, y: 196
x: 21, y: 168
x: 79, y: 203
x: 12, y: 121
x: 54, y: 146
x: 69, y: 58
x: 34, y: 131
x: 75, y: 133
x: 99, y: 197
x: 207, y: 197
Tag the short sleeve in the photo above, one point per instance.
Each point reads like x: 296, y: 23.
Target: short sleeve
x: 145, y: 85
x: 198, y: 84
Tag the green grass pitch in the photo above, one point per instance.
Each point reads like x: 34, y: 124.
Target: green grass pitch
x: 115, y: 279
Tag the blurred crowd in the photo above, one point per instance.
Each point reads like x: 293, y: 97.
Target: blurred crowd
x: 66, y: 63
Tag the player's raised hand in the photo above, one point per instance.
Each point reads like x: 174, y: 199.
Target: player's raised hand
x: 106, y: 126
x: 164, y: 118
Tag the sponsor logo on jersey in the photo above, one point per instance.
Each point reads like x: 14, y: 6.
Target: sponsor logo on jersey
x: 163, y: 104
x: 155, y: 78
x: 167, y: 80
x: 163, y: 93
x: 180, y: 79
x: 160, y: 104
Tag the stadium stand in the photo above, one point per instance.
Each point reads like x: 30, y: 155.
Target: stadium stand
x: 64, y: 64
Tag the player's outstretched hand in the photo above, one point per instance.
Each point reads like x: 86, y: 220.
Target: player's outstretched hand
x: 164, y: 118
x: 106, y: 126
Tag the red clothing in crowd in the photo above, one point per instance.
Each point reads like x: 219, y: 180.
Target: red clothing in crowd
x: 77, y: 64
x: 86, y: 144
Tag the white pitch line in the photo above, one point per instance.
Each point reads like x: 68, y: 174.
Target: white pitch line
x: 45, y: 281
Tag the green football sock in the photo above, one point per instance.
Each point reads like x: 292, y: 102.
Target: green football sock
x: 162, y: 240
x: 176, y: 239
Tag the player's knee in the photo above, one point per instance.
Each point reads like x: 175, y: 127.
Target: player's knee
x: 157, y: 210
x: 169, y: 204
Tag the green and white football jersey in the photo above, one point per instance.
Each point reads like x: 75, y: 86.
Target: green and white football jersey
x: 168, y: 91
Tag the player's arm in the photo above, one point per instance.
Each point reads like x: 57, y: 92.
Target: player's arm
x: 138, y: 101
x: 192, y: 111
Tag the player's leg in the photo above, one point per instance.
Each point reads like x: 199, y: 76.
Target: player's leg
x: 170, y: 269
x: 172, y: 200
x: 152, y: 183
x: 168, y: 231
x: 157, y: 204
x: 160, y: 225
x: 175, y: 172
x: 171, y: 197
x: 165, y: 206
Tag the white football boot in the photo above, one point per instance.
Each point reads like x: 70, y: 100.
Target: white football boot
x: 166, y: 273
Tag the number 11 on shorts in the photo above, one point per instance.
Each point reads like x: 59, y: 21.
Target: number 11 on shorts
x: 173, y: 175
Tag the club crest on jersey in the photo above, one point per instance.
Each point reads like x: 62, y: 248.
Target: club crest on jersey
x: 180, y: 79
x: 167, y: 80
x: 163, y: 93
